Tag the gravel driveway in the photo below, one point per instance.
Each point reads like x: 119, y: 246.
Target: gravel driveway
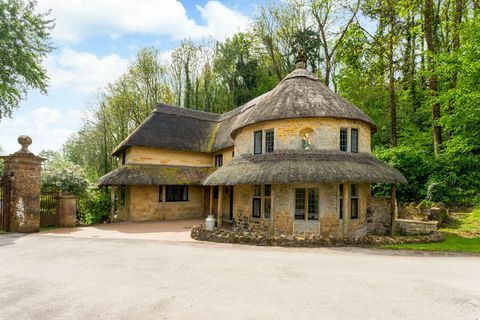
x: 45, y: 276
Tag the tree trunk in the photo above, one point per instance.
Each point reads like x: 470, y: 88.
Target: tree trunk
x: 391, y: 78
x: 432, y: 81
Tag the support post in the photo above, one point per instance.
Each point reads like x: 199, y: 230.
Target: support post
x: 346, y: 208
x: 220, y: 207
x: 210, y: 209
x: 393, y: 207
x: 272, y: 207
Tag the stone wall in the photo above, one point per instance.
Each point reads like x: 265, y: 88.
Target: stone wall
x: 146, y: 155
x: 414, y: 227
x: 324, y: 134
x: 262, y: 238
x: 143, y: 204
x: 379, y: 215
x: 283, y: 205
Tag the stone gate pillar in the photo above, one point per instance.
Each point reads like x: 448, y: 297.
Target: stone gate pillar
x: 26, y: 168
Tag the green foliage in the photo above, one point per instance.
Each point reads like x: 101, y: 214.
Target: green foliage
x: 415, y: 164
x: 61, y: 175
x: 94, y: 206
x: 461, y: 235
x: 25, y: 42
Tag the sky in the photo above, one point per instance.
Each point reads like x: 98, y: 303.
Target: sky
x: 95, y: 41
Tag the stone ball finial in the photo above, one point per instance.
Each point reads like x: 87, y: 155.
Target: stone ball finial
x: 300, y: 60
x: 24, y: 141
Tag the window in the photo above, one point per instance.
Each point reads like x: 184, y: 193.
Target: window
x: 123, y: 195
x: 257, y: 142
x: 299, y: 204
x: 218, y: 160
x: 160, y: 193
x: 354, y: 140
x: 262, y: 203
x: 256, y: 207
x: 340, y: 202
x: 354, y: 201
x: 267, y: 205
x: 269, y: 141
x: 177, y: 193
x: 124, y: 157
x: 343, y: 139
x: 306, y: 201
x: 312, y: 204
x: 215, y: 192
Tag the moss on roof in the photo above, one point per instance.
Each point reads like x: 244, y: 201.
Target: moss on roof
x: 155, y: 175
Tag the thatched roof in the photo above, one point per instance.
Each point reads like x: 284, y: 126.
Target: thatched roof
x: 311, y: 166
x: 300, y: 94
x: 155, y: 175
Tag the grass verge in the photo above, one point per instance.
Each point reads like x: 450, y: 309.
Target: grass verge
x: 462, y: 234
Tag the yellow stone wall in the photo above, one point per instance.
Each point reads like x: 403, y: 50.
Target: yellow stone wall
x: 147, y: 155
x: 324, y: 134
x: 143, y: 204
x: 227, y: 155
x: 284, y: 208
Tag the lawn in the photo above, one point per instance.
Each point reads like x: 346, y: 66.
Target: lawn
x: 462, y: 234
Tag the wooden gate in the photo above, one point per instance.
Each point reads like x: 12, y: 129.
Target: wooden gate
x: 6, y: 199
x: 48, y: 210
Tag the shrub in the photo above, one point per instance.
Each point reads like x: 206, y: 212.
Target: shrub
x: 61, y: 175
x: 94, y: 206
x: 416, y: 165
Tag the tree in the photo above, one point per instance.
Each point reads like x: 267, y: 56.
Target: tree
x: 24, y: 43
x: 428, y: 20
x: 61, y: 175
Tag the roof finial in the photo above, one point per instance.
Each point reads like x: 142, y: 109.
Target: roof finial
x: 300, y: 60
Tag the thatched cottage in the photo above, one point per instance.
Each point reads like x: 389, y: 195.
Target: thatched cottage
x: 297, y: 157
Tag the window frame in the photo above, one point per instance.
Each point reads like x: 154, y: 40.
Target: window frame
x: 182, y: 192
x: 218, y: 160
x: 343, y: 139
x: 123, y: 195
x: 354, y: 199
x: 267, y: 133
x: 340, y: 201
x: 352, y: 144
x: 262, y: 197
x: 256, y: 141
x: 306, y: 204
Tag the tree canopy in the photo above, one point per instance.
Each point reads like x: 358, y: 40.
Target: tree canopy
x: 413, y: 66
x: 24, y: 43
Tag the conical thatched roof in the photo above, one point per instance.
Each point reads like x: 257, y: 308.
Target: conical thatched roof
x: 314, y: 166
x: 138, y: 174
x: 300, y: 94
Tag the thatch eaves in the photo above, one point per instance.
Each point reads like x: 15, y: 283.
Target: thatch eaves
x: 139, y: 174
x: 314, y: 166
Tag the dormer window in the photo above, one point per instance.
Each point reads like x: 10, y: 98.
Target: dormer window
x: 263, y: 146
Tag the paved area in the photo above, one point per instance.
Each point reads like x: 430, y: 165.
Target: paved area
x: 174, y: 230
x: 45, y: 276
